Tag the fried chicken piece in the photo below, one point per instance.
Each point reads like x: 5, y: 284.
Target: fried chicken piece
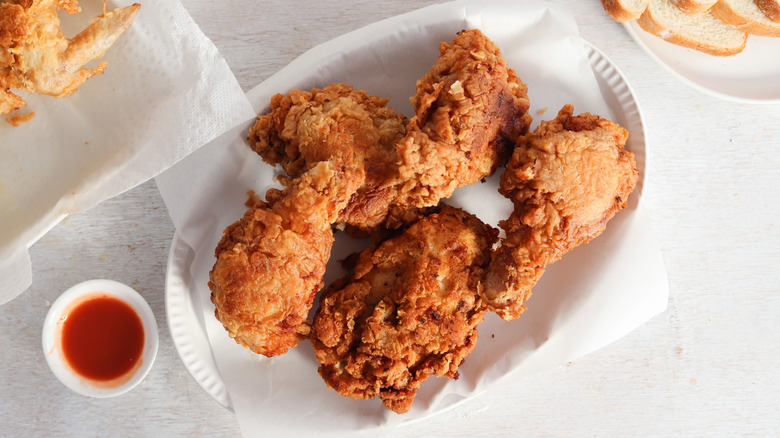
x: 270, y: 264
x: 470, y: 108
x: 35, y: 56
x: 566, y: 180
x: 409, y: 310
x: 335, y: 123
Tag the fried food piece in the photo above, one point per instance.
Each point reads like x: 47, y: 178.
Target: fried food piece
x: 270, y: 264
x: 18, y: 119
x: 566, y: 180
x: 409, y: 310
x: 335, y: 123
x: 470, y: 108
x: 35, y: 56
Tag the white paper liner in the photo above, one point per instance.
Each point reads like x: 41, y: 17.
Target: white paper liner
x: 595, y: 295
x: 166, y: 92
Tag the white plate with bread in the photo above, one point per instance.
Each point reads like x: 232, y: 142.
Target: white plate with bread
x: 726, y: 48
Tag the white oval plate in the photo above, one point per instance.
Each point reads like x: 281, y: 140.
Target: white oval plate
x: 752, y: 76
x: 189, y: 335
x: 187, y: 330
x: 53, y: 323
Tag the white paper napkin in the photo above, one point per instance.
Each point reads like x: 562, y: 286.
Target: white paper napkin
x: 166, y: 92
x: 595, y: 295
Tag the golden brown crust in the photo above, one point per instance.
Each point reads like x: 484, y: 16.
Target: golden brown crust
x: 36, y: 57
x: 409, y: 310
x: 337, y: 123
x: 15, y: 24
x: 724, y: 11
x: 271, y: 262
x: 770, y: 8
x: 469, y: 109
x: 650, y: 24
x: 566, y: 180
x: 266, y: 312
x: 620, y: 12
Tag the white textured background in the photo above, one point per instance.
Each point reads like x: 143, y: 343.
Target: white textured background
x: 706, y: 367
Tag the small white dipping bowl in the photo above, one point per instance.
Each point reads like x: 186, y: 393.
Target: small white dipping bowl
x: 52, y: 339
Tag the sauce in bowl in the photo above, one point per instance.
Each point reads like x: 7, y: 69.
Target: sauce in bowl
x: 102, y: 338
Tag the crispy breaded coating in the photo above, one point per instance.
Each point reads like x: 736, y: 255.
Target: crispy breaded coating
x: 335, y: 123
x: 35, y: 55
x: 566, y: 180
x: 270, y: 263
x: 409, y: 310
x: 469, y: 110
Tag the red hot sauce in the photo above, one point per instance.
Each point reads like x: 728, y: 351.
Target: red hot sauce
x: 102, y: 338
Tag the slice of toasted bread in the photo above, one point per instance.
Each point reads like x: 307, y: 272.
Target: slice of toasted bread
x: 770, y: 8
x: 624, y: 10
x: 746, y: 16
x: 694, y: 7
x: 700, y: 32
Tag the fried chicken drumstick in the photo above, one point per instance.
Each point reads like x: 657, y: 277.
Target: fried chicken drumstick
x: 271, y: 262
x: 409, y: 310
x: 566, y: 180
x: 35, y: 56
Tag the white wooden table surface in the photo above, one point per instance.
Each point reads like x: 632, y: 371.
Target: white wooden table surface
x: 708, y: 366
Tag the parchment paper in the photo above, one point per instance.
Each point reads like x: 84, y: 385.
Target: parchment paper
x: 166, y: 92
x: 595, y: 295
